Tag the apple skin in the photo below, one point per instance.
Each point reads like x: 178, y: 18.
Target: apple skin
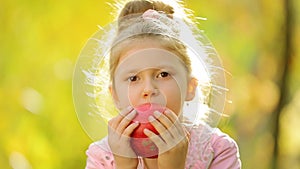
x: 139, y: 142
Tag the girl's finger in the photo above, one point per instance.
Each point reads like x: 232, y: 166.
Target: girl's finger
x: 171, y: 115
x: 159, y: 142
x: 174, y: 119
x: 126, y: 111
x: 125, y: 121
x: 117, y: 120
x: 162, y: 130
x: 167, y: 123
x: 130, y: 128
x: 163, y: 119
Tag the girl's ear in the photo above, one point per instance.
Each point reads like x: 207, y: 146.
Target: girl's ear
x: 191, y: 89
x: 114, y: 96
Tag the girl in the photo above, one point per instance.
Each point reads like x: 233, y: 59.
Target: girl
x: 154, y: 58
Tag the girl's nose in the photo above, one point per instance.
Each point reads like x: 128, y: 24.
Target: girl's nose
x: 149, y: 89
x: 150, y: 92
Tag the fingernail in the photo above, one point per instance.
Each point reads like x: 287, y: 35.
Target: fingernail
x: 131, y: 115
x: 133, y: 112
x: 151, y: 118
x: 129, y: 107
x: 167, y: 111
x: 157, y: 113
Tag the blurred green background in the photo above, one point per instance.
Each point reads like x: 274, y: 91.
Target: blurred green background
x: 41, y: 40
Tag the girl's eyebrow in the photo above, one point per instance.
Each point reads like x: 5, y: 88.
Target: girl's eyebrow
x: 130, y: 71
x: 136, y: 70
x: 170, y: 67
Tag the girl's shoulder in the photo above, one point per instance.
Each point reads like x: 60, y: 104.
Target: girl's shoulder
x: 226, y: 151
x: 211, y: 136
x: 210, y: 147
x: 221, y: 140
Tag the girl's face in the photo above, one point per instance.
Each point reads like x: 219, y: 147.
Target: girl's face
x: 148, y: 73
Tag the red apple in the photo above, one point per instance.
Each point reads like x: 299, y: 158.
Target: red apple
x: 140, y: 143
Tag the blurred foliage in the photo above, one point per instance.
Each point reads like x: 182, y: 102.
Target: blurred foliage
x: 39, y: 45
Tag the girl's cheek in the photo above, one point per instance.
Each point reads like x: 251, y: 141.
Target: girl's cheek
x: 133, y: 97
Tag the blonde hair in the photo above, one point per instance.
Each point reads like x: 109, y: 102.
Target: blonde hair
x: 169, y: 43
x: 140, y: 6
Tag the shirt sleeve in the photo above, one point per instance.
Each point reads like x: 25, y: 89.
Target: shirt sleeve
x: 226, y: 153
x: 97, y: 158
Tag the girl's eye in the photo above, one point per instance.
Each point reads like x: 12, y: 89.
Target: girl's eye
x: 132, y: 78
x: 163, y: 74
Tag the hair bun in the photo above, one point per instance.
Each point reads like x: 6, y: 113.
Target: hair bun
x: 140, y: 6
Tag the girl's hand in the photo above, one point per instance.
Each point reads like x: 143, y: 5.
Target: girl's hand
x: 173, y: 140
x: 119, y: 130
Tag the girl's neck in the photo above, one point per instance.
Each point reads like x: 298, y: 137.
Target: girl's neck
x: 150, y: 163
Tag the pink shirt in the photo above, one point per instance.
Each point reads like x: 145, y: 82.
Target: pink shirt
x: 208, y: 148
